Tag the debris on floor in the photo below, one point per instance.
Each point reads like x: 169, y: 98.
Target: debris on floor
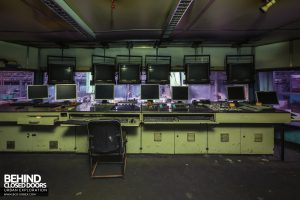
x: 229, y: 160
x: 189, y: 195
x: 78, y: 194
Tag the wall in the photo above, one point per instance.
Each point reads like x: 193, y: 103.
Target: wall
x: 283, y: 54
x: 267, y: 56
x: 18, y: 53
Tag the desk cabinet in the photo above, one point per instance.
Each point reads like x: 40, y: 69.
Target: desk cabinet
x: 224, y: 140
x: 158, y: 139
x: 14, y: 138
x: 37, y: 138
x: 133, y: 135
x: 190, y: 139
x: 257, y: 140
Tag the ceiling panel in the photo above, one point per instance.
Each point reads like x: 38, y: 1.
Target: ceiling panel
x: 211, y: 22
x: 239, y: 15
x: 31, y: 20
x: 127, y: 15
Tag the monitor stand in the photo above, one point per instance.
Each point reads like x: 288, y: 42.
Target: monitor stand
x: 104, y: 102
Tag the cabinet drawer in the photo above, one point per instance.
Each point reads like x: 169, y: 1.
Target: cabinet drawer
x: 37, y: 120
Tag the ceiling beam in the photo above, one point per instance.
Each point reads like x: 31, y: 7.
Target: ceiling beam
x: 178, y: 13
x: 61, y: 8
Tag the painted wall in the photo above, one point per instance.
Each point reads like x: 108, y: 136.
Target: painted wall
x: 278, y: 55
x: 18, y: 53
x: 267, y: 56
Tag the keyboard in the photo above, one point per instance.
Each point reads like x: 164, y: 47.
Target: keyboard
x: 126, y: 108
x: 22, y: 104
x: 159, y: 119
x: 47, y: 105
x: 179, y: 107
x: 255, y: 108
x: 102, y: 107
x: 76, y: 122
x: 191, y: 117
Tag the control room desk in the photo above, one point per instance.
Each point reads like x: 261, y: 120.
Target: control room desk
x: 31, y: 129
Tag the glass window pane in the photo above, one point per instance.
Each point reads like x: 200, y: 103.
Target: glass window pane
x: 13, y: 84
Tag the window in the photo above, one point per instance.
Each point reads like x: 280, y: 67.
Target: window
x: 13, y: 84
x: 216, y: 90
x: 84, y: 89
x: 287, y: 86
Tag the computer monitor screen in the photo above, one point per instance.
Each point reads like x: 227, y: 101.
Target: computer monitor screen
x: 240, y: 73
x: 60, y: 73
x: 104, y: 73
x: 129, y: 73
x: 197, y: 73
x: 269, y: 98
x: 236, y: 93
x: 104, y: 92
x: 37, y: 92
x: 180, y: 93
x: 158, y: 73
x: 150, y: 92
x: 65, y: 92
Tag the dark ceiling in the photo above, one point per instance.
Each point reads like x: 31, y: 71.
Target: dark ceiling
x: 143, y: 22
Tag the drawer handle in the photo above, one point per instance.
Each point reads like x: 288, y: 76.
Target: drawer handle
x: 34, y: 122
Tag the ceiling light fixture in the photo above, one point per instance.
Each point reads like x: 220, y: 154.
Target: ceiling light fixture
x: 178, y: 13
x: 62, y: 9
x: 267, y: 6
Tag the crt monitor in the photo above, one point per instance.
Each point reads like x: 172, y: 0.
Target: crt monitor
x: 158, y: 73
x: 65, y: 92
x: 37, y: 92
x: 197, y: 72
x: 268, y: 98
x: 150, y: 92
x: 236, y: 93
x: 240, y: 73
x: 129, y: 73
x: 60, y: 73
x: 180, y: 93
x: 104, y: 92
x: 104, y: 73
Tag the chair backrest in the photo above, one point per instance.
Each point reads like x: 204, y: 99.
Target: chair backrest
x: 105, y: 136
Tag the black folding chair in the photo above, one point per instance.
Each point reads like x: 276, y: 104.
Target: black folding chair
x: 106, y: 140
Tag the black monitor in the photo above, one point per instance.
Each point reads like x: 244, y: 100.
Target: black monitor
x: 240, y: 73
x: 236, y: 93
x: 268, y: 98
x: 37, y: 92
x: 197, y: 73
x: 60, y: 73
x: 158, y: 73
x: 104, y: 73
x: 180, y: 93
x: 104, y: 92
x: 150, y: 92
x: 65, y: 92
x: 129, y: 73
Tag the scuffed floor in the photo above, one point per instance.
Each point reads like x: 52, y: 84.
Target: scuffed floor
x: 163, y: 177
